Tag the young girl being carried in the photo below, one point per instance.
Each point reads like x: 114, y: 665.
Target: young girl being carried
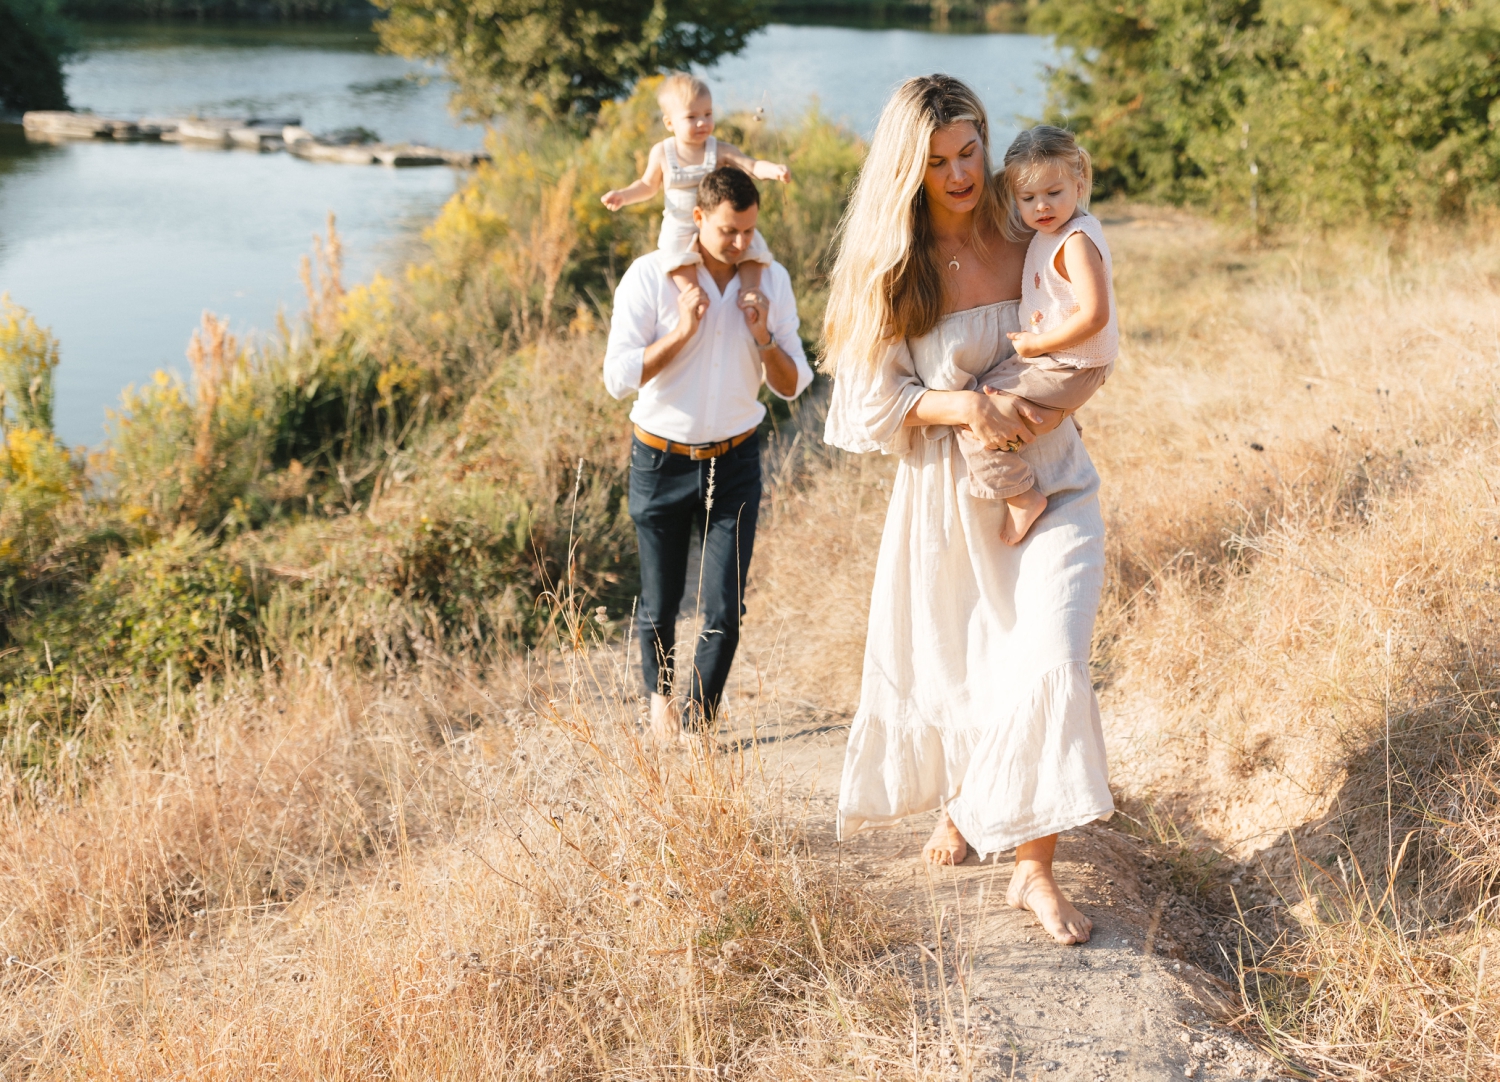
x: 1067, y: 297
x: 679, y: 163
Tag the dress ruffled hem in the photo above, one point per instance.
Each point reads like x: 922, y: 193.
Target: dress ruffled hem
x: 1037, y: 769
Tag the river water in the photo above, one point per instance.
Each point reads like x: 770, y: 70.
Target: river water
x: 119, y: 248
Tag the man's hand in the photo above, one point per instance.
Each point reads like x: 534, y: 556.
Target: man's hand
x: 757, y: 310
x: 780, y: 370
x: 1026, y: 343
x: 692, y: 302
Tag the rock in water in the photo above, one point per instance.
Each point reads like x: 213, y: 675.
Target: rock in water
x: 51, y: 124
x: 213, y: 131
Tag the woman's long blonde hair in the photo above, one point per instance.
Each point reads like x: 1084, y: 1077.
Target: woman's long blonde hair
x: 887, y: 283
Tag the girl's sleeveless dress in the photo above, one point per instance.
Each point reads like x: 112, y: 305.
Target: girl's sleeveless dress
x: 976, y: 692
x: 680, y: 187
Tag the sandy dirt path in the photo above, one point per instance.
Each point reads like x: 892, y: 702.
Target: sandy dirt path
x: 1003, y: 1001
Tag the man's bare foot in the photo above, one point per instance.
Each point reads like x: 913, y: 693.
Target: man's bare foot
x: 947, y: 845
x: 1021, y: 512
x: 666, y: 720
x: 1033, y: 888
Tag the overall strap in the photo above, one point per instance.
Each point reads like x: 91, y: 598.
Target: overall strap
x: 711, y: 155
x: 669, y: 145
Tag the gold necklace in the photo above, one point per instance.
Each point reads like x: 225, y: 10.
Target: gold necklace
x: 953, y: 263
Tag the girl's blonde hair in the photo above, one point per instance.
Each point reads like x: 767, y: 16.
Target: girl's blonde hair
x: 680, y: 88
x: 1032, y: 150
x: 887, y: 283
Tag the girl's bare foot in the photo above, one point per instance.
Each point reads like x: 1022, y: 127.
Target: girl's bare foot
x: 947, y: 845
x: 1021, y: 512
x: 1033, y: 888
x: 666, y: 719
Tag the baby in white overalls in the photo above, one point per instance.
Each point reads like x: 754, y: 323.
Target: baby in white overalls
x: 1067, y: 302
x: 678, y: 164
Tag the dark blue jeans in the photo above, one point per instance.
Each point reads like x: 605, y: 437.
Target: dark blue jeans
x: 668, y: 497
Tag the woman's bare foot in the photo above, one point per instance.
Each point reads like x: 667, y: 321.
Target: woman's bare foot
x: 1021, y: 512
x: 666, y: 719
x: 947, y: 845
x: 1033, y: 888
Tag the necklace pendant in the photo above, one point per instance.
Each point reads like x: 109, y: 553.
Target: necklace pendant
x: 953, y: 263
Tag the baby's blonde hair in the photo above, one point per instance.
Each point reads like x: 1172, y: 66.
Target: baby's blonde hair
x: 1034, y: 149
x: 680, y: 88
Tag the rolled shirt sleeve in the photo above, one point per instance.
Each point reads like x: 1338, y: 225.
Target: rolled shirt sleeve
x: 783, y: 324
x: 632, y: 327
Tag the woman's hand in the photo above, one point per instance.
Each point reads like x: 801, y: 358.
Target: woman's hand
x: 995, y: 422
x: 998, y: 420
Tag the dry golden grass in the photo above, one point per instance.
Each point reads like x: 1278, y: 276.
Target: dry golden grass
x: 1299, y: 643
x: 1298, y: 453
x: 442, y: 873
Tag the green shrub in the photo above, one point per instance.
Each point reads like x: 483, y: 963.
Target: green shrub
x: 34, y: 41
x: 1321, y: 112
x: 40, y: 482
x: 179, y: 603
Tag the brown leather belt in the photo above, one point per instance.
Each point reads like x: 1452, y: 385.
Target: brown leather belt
x: 698, y: 451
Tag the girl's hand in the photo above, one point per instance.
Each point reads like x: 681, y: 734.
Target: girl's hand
x: 613, y: 199
x: 773, y: 171
x: 1026, y: 343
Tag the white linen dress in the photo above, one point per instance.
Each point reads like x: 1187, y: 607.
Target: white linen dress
x: 976, y: 693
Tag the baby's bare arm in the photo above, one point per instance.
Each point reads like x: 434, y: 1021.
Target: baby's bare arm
x: 640, y: 190
x: 762, y: 170
x: 1084, y: 267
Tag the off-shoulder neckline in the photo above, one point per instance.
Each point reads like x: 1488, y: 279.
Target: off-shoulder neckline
x: 979, y: 308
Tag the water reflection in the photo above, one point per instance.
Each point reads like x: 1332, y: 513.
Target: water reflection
x: 850, y: 71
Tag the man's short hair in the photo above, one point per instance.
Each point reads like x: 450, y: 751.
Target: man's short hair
x: 727, y: 184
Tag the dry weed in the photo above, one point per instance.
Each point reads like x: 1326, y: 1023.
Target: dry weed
x: 443, y: 873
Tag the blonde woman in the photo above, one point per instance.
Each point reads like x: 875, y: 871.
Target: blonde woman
x: 976, y: 696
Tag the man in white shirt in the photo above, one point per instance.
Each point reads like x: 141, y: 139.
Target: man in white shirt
x: 695, y: 360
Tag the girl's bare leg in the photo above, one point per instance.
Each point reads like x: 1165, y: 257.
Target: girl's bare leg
x: 1033, y: 888
x: 947, y: 845
x: 750, y: 273
x: 686, y: 275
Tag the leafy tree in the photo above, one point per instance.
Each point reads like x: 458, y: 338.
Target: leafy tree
x: 1321, y: 110
x: 33, y: 42
x: 562, y: 57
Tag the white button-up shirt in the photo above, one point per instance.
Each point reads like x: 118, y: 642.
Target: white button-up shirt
x: 707, y: 393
